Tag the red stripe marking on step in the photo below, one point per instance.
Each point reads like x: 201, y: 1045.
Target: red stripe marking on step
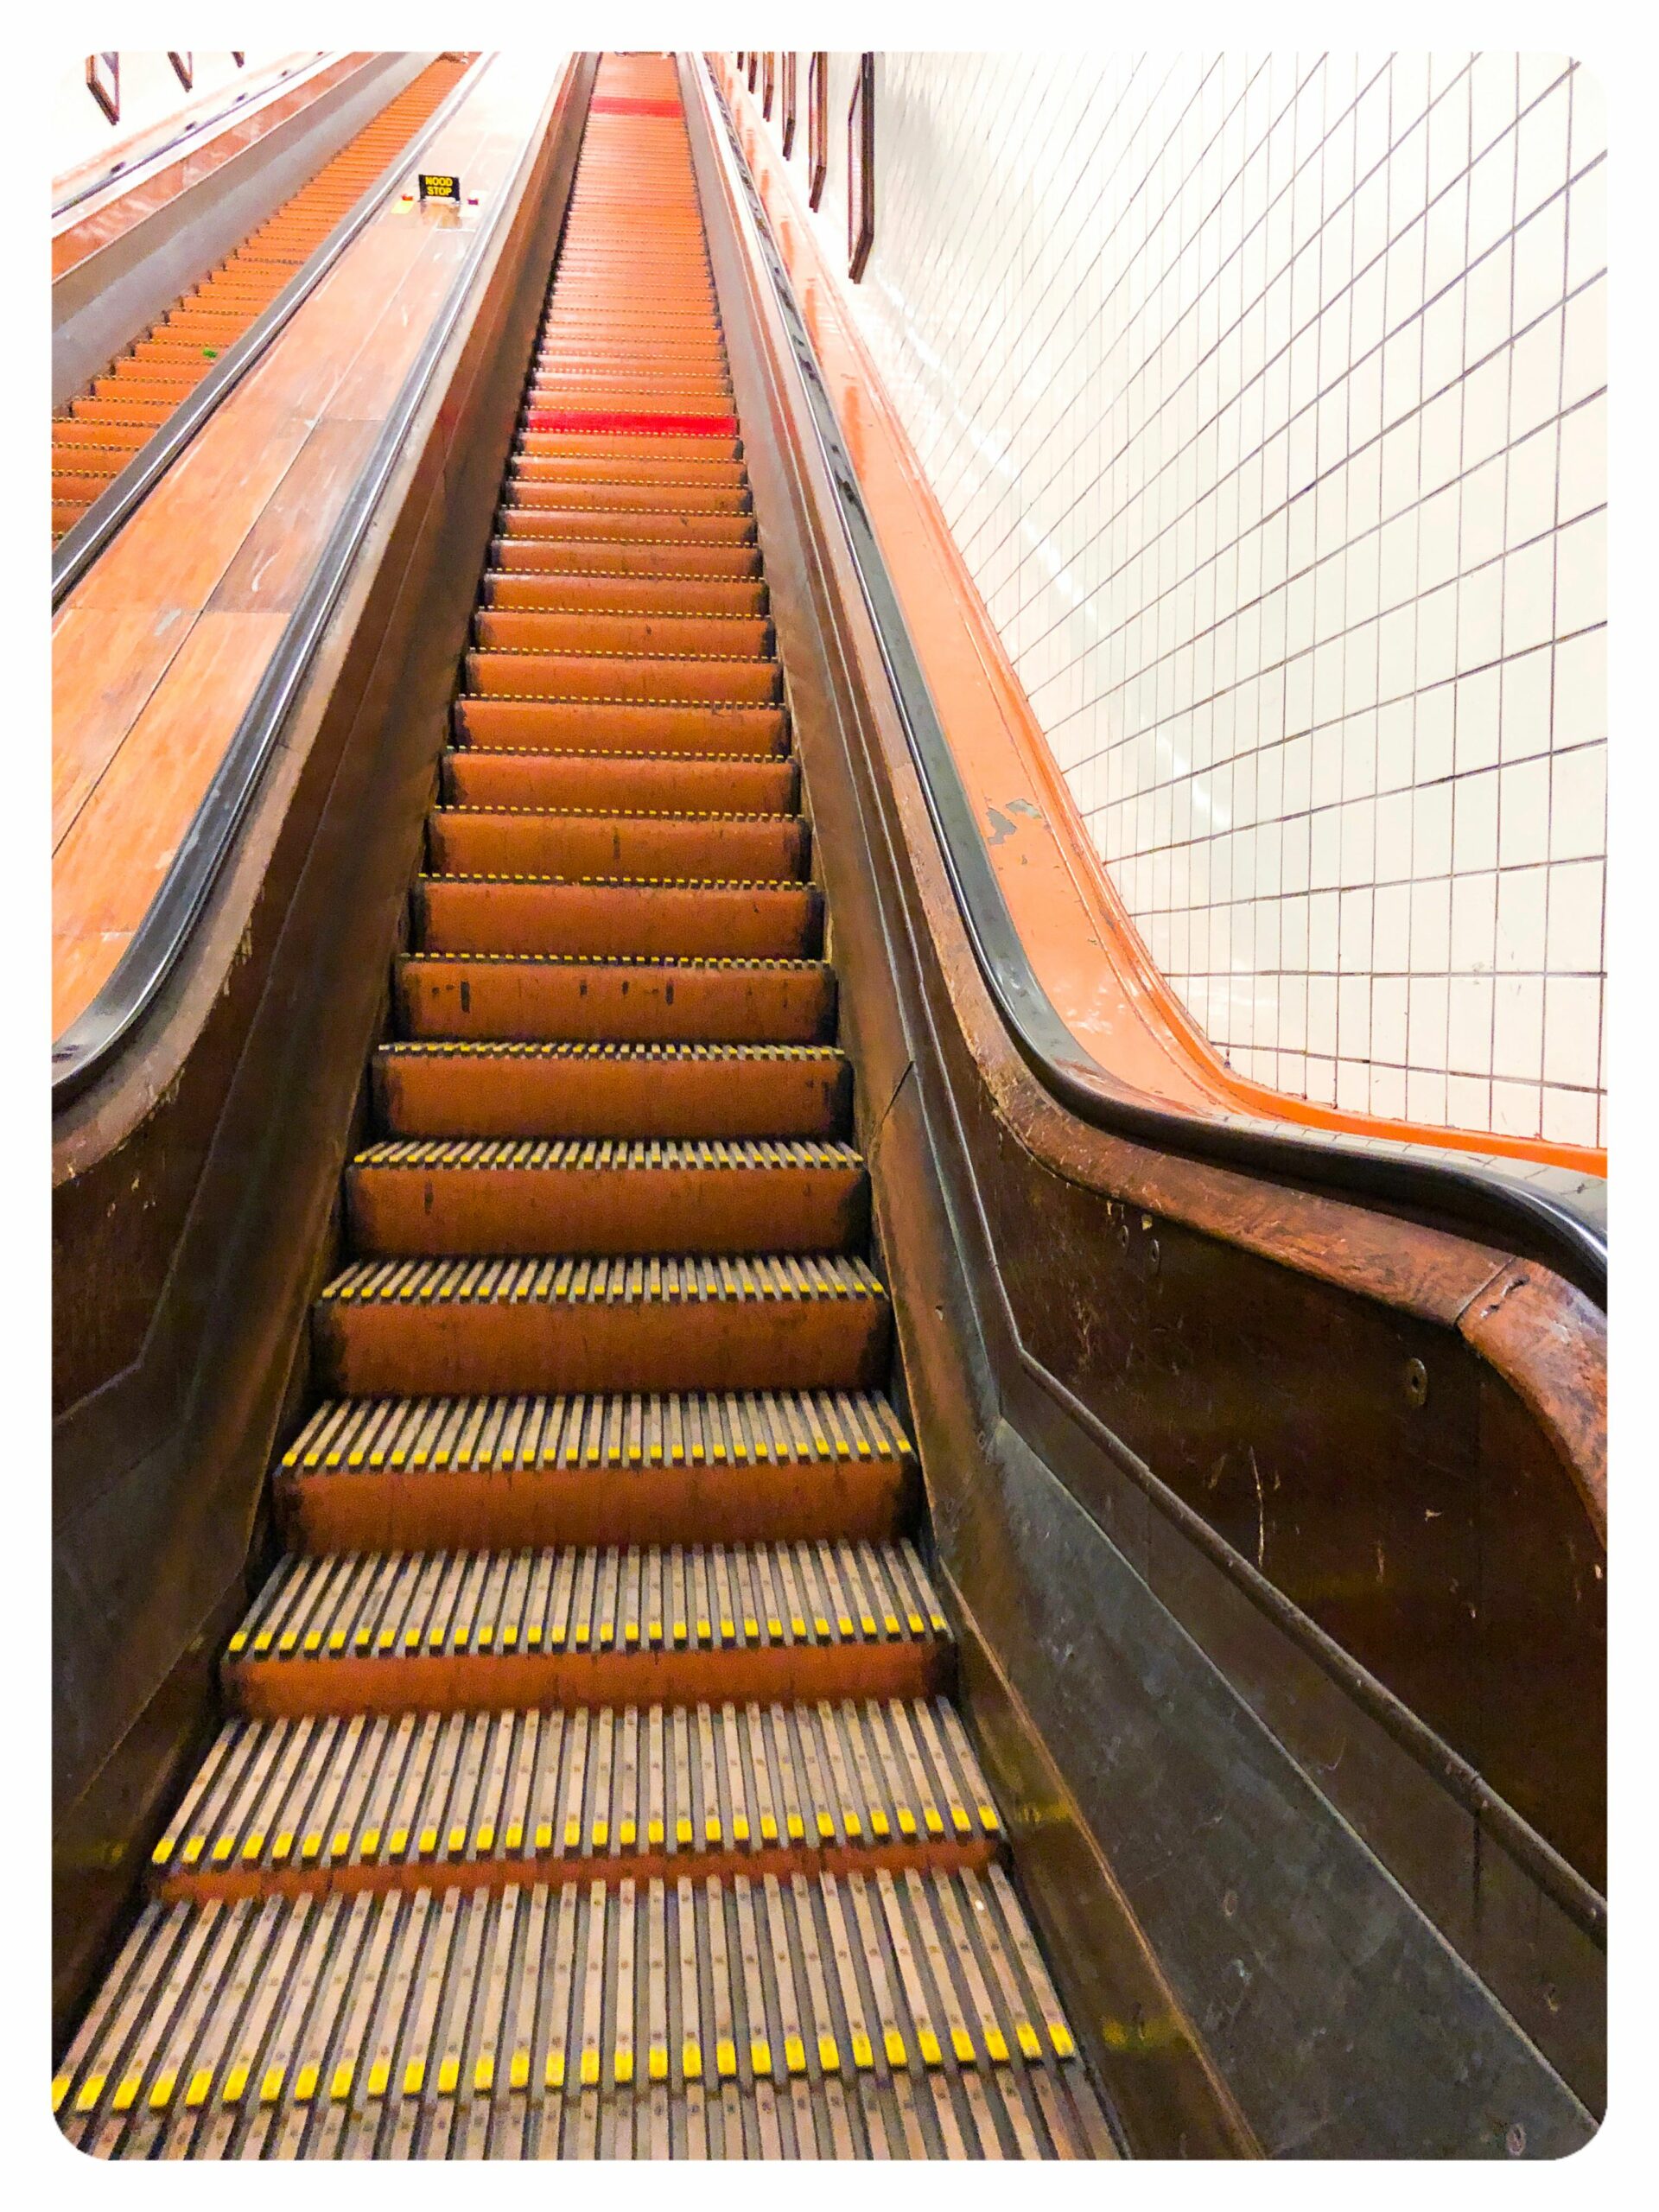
x: 611, y: 104
x: 582, y: 418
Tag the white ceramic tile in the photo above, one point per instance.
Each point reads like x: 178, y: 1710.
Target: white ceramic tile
x: 1277, y: 452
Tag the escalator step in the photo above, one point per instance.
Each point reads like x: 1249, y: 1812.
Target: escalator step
x: 677, y: 1323
x: 379, y: 1473
x: 611, y: 915
x: 392, y: 1802
x: 605, y: 1195
x: 397, y: 1631
x: 612, y: 1089
x: 866, y: 2015
x: 526, y: 996
x: 682, y: 783
x: 572, y: 842
x: 619, y: 726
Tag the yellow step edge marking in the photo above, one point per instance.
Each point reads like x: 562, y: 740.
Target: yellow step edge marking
x: 691, y: 2062
x: 235, y: 2082
x: 656, y: 2062
x: 339, y: 2086
x: 863, y: 2052
x: 379, y: 2074
x: 794, y: 2054
x: 160, y: 2095
x: 589, y: 2069
x: 518, y: 2070
x: 996, y: 2045
x: 1027, y: 2039
x: 484, y: 2071
x: 448, y: 2076
x: 126, y: 2094
x: 622, y: 2066
x: 271, y: 2088
x: 928, y: 2043
x: 555, y: 2070
x: 726, y: 2059
x: 893, y: 2044
x: 1060, y: 2035
x: 305, y: 2084
x: 201, y: 2081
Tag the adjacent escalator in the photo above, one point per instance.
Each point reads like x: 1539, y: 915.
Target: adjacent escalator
x: 96, y: 437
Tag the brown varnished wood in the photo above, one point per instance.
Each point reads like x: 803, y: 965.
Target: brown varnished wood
x: 157, y: 652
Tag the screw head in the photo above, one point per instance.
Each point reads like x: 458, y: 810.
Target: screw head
x: 1414, y: 1381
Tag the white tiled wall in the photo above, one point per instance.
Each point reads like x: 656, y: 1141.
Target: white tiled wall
x: 1265, y: 398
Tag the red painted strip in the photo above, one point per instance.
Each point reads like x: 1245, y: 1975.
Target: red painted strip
x: 582, y: 418
x: 612, y: 106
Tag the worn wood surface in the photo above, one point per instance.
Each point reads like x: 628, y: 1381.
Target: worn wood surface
x: 157, y: 652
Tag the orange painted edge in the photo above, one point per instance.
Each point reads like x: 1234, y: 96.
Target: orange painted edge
x: 1135, y: 971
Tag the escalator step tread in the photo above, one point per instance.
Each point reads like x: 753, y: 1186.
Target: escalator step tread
x: 599, y: 1428
x: 871, y: 2014
x: 400, y: 1799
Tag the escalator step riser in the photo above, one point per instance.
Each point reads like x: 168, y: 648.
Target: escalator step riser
x: 503, y: 914
x: 476, y: 1631
x: 652, y: 559
x: 531, y: 1000
x: 553, y: 629
x: 420, y: 1473
x: 396, y: 1345
x: 661, y: 448
x: 416, y: 1197
x: 638, y: 597
x: 538, y: 842
x: 619, y: 726
x: 612, y: 1091
x: 622, y: 677
x: 659, y: 530
x: 599, y: 781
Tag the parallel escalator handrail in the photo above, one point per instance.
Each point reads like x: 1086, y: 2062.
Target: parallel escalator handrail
x: 1545, y: 1212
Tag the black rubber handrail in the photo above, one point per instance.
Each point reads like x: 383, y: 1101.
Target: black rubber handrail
x: 77, y: 549
x: 97, y: 1036
x: 1530, y: 1208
